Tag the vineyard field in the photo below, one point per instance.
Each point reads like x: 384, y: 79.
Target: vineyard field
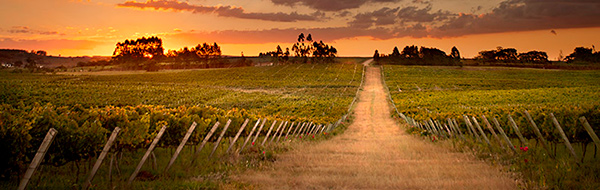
x: 321, y: 91
x: 86, y: 108
x: 450, y: 92
x: 438, y: 94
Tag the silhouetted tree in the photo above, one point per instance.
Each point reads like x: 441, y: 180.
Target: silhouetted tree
x: 395, y: 52
x: 323, y: 52
x: 487, y: 56
x: 583, y: 54
x: 199, y: 56
x: 508, y: 55
x: 410, y: 52
x: 301, y: 49
x: 136, y: 51
x: 455, y: 55
x: 533, y: 57
x: 286, y: 55
x: 376, y: 56
x: 41, y: 53
x: 434, y: 56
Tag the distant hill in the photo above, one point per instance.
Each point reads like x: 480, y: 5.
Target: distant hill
x: 12, y: 56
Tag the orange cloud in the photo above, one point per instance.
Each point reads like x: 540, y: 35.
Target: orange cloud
x: 224, y: 11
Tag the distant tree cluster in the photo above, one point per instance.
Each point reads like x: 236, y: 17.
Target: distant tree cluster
x: 510, y: 55
x: 413, y: 55
x: 278, y: 55
x: 148, y: 53
x: 303, y: 49
x: 202, y: 56
x: 583, y: 55
x: 141, y: 49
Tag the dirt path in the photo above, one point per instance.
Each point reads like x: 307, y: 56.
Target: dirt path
x: 376, y: 153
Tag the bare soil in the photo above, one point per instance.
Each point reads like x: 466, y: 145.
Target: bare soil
x: 375, y: 153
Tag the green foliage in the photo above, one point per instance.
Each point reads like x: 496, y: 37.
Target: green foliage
x: 85, y: 109
x: 412, y: 55
x: 446, y: 92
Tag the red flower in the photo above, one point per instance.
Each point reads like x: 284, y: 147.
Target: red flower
x: 252, y: 143
x: 264, y: 152
x: 313, y: 136
x: 524, y: 149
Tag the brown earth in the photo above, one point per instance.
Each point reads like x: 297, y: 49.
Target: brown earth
x: 375, y: 153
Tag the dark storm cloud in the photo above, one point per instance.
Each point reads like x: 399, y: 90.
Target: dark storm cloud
x: 224, y: 11
x: 525, y: 15
x: 329, y: 5
x: 399, y: 16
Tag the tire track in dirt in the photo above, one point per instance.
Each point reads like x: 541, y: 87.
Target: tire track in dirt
x: 375, y: 153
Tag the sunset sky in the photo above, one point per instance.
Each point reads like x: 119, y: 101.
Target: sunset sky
x: 354, y: 27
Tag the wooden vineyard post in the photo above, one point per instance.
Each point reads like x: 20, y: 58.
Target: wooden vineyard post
x: 210, y: 133
x: 538, y: 133
x: 323, y: 129
x: 302, y: 132
x: 320, y: 128
x: 37, y: 159
x: 514, y: 125
x: 276, y: 132
x: 181, y: 145
x: 290, y: 129
x: 258, y: 132
x: 436, y: 128
x: 219, y: 139
x: 590, y: 131
x: 445, y: 127
x: 268, y: 133
x: 512, y: 147
x: 455, y: 128
x: 427, y: 127
x: 283, y: 130
x: 564, y: 137
x: 249, y: 136
x: 470, y: 125
x: 150, y: 149
x: 238, y: 135
x: 433, y: 129
x: 109, y: 143
x: 314, y: 131
x: 468, y: 129
x: 482, y: 133
x: 309, y: 128
x: 297, y: 129
x: 489, y: 127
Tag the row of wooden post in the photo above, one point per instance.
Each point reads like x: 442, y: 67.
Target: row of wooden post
x: 450, y: 129
x: 299, y: 130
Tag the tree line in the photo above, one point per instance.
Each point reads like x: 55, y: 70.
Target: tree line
x: 510, y: 55
x: 583, y: 55
x: 413, y: 55
x: 303, y: 49
x: 148, y: 53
